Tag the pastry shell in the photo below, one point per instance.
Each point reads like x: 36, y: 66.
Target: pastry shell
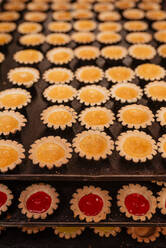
x: 68, y: 232
x: 60, y: 54
x: 89, y: 74
x: 138, y: 37
x: 142, y: 51
x: 106, y: 231
x: 114, y: 52
x: 59, y: 27
x: 58, y: 75
x: 148, y: 234
x: 9, y: 16
x: 150, y: 72
x: 4, y: 189
x: 87, y: 52
x: 57, y: 39
x: 106, y: 16
x: 161, y: 200
x: 119, y: 74
x: 133, y: 14
x: 14, y: 6
x: 108, y: 37
x: 161, y: 116
x: 32, y: 39
x: 28, y: 56
x: 32, y: 229
x: 5, y: 39
x: 6, y: 27
x: 162, y: 145
x: 155, y: 94
x: 35, y: 16
x: 29, y: 27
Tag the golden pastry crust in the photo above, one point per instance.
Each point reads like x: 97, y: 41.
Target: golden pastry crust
x: 6, y: 27
x: 9, y: 16
x: 31, y: 190
x: 84, y: 25
x: 135, y: 116
x: 32, y: 229
x: 162, y: 50
x: 156, y: 15
x: 136, y: 146
x: 133, y: 14
x: 149, y: 6
x: 114, y: 52
x: 58, y: 75
x: 138, y: 191
x: 61, y: 27
x: 87, y: 52
x: 135, y: 26
x: 96, y: 118
x: 9, y: 197
x: 156, y: 91
x: 138, y: 37
x: 109, y: 26
x: 161, y: 200
x: 106, y: 231
x: 35, y: 16
x: 93, y: 145
x: 160, y: 36
x: 104, y: 197
x: 29, y: 27
x: 159, y: 183
x: 81, y: 5
x: 109, y: 16
x: 82, y: 14
x: 25, y: 76
x: 159, y: 25
x: 83, y: 37
x: 89, y: 74
x: 2, y: 57
x: 48, y: 145
x: 150, y: 72
x: 142, y: 51
x: 5, y: 39
x: 11, y: 154
x: 124, y: 4
x: 32, y: 39
x: 60, y: 55
x: 37, y: 6
x: 119, y: 74
x: 100, y: 7
x: 144, y: 234
x: 14, y: 6
x: 162, y: 146
x: 28, y: 56
x: 60, y: 6
x: 68, y: 232
x: 108, y: 37
x: 62, y: 16
x: 57, y: 39
x: 161, y: 116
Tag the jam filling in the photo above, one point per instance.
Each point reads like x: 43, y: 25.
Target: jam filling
x: 91, y: 204
x: 3, y: 198
x: 137, y: 204
x: 38, y: 202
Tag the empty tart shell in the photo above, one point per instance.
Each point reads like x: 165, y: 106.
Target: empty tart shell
x: 161, y: 200
x: 28, y: 56
x: 100, y: 7
x: 133, y: 14
x: 109, y: 16
x: 51, y: 151
x: 142, y: 51
x: 6, y: 27
x: 60, y: 93
x: 14, y: 98
x: 57, y: 39
x: 33, y: 6
x: 150, y: 71
x: 160, y: 36
x: 38, y: 200
x: 156, y: 15
x: 14, y: 6
x: 9, y: 16
x: 96, y: 118
x: 162, y: 51
x: 62, y: 16
x: 106, y: 231
x: 84, y: 25
x: 68, y: 232
x: 58, y: 116
x: 136, y: 202
x: 149, y: 6
x: 136, y: 146
x: 126, y: 92
x: 138, y: 37
x: 162, y: 145
x: 61, y: 27
x: 159, y: 25
x: 89, y: 74
x: 32, y: 229
x: 6, y: 199
x: 35, y: 16
x: 60, y: 55
x: 114, y: 52
x: 109, y: 27
x: 124, y: 4
x: 83, y: 37
x: 161, y: 116
x: 156, y: 91
x: 25, y: 76
x: 87, y: 52
x: 11, y: 121
x: 5, y: 39
x: 93, y: 145
x: 91, y: 204
x: 32, y: 39
x: 108, y: 37
x: 119, y: 74
x: 58, y: 75
x: 93, y: 95
x: 82, y: 14
x: 135, y: 26
x: 135, y: 116
x: 2, y: 57
x: 144, y: 234
x: 11, y: 154
x: 29, y: 27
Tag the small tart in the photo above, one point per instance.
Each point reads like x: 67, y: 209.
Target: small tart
x: 60, y: 93
x: 161, y: 116
x: 138, y: 37
x: 93, y: 145
x: 5, y: 39
x: 60, y: 6
x: 91, y: 204
x: 2, y: 57
x: 109, y: 26
x: 32, y: 229
x: 156, y: 15
x: 124, y: 4
x: 150, y: 71
x: 135, y: 26
x: 37, y: 6
x: 62, y: 16
x: 35, y: 16
x: 11, y: 154
x: 87, y: 52
x: 68, y: 232
x: 159, y: 25
x: 50, y: 152
x: 38, y: 200
x: 6, y: 27
x: 11, y: 121
x: 135, y: 116
x: 57, y: 39
x: 60, y: 55
x: 156, y: 90
x: 58, y: 75
x: 160, y: 36
x: 89, y: 74
x: 14, y: 6
x: 83, y: 37
x: 161, y: 199
x: 28, y: 56
x: 9, y: 16
x: 100, y: 7
x: 81, y: 5
x: 136, y: 202
x: 136, y: 146
x: 25, y: 76
x: 162, y: 50
x: 126, y: 92
x: 32, y: 39
x: 108, y: 37
x: 162, y: 146
x: 6, y: 199
x: 114, y: 52
x: 93, y: 95
x: 109, y: 16
x: 59, y: 27
x: 59, y: 116
x: 119, y: 74
x: 82, y: 14
x: 149, y: 6
x: 142, y: 51
x: 106, y: 231
x: 14, y: 98
x: 84, y: 25
x: 29, y: 27
x: 133, y: 14
x: 96, y: 118
x: 144, y: 234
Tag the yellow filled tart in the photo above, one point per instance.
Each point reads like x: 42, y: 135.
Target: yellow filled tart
x: 35, y: 16
x: 58, y: 75
x: 124, y: 4
x: 149, y: 6
x: 133, y: 14
x: 114, y: 52
x: 162, y: 145
x: 6, y: 27
x: 119, y: 74
x: 100, y: 7
x: 32, y: 39
x: 159, y: 25
x: 108, y: 37
x: 142, y: 51
x: 14, y: 6
x: 156, y: 15
x: 62, y: 16
x: 106, y: 16
x: 156, y: 90
x: 68, y: 232
x: 59, y: 27
x: 161, y: 116
x: 150, y: 71
x: 106, y: 231
x: 28, y: 56
x: 81, y: 5
x: 135, y: 26
x: 138, y: 37
x: 37, y: 6
x: 2, y: 57
x: 83, y: 37
x: 144, y: 234
x: 82, y: 14
x: 160, y: 36
x: 89, y: 74
x: 57, y: 39
x: 109, y: 26
x: 29, y: 27
x: 60, y: 6
x: 5, y: 39
x: 60, y: 55
x: 84, y: 25
x: 9, y: 16
x: 87, y: 52
x: 162, y: 51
